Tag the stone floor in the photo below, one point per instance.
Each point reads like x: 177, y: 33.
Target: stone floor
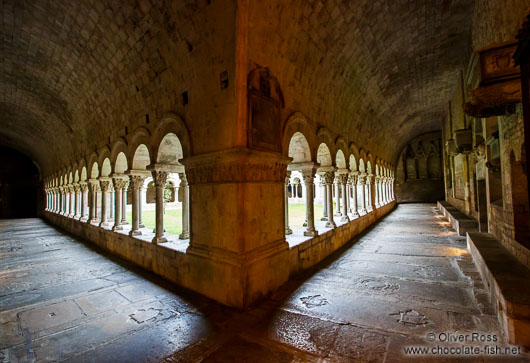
x: 62, y: 300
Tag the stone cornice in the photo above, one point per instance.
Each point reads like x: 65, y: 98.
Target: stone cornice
x: 238, y: 165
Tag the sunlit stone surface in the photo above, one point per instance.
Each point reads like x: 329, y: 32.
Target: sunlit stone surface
x: 61, y: 300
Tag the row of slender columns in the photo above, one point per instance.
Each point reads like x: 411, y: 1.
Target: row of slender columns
x: 348, y: 186
x: 72, y: 201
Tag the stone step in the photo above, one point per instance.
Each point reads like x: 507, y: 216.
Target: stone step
x: 508, y: 282
x: 459, y: 221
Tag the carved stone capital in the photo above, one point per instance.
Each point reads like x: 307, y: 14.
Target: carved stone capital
x: 105, y: 185
x: 137, y: 181
x: 342, y: 178
x: 328, y: 177
x: 83, y: 186
x: 160, y: 178
x: 119, y: 183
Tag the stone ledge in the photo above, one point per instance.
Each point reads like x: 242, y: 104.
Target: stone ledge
x: 506, y: 279
x: 459, y: 221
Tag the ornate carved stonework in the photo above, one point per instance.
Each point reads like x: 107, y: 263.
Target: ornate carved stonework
x: 119, y: 183
x: 105, y: 185
x: 137, y: 181
x: 160, y: 178
x: 500, y: 86
x: 329, y: 177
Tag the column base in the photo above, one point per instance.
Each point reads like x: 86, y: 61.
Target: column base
x: 117, y: 228
x: 345, y: 219
x: 378, y: 205
x: 135, y: 233
x: 104, y: 224
x: 124, y: 222
x: 313, y: 233
x: 331, y: 224
x: 337, y: 215
x: 324, y: 219
x: 76, y: 216
x: 70, y: 216
x: 83, y: 219
x: 288, y: 231
x: 355, y: 215
x: 141, y: 225
x: 184, y: 235
x: 157, y: 240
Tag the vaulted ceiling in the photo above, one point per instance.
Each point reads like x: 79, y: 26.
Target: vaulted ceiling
x: 75, y: 73
x: 376, y: 72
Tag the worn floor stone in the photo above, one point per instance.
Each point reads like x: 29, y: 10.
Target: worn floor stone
x: 61, y: 300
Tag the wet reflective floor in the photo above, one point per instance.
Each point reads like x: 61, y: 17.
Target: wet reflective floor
x: 405, y: 284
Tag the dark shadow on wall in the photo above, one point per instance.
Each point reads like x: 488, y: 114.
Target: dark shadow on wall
x: 20, y: 185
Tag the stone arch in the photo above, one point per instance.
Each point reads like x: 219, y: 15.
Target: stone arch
x: 76, y: 176
x: 324, y: 155
x: 94, y: 170
x: 83, y: 173
x: 324, y: 137
x: 170, y: 150
x: 298, y: 123
x: 119, y: 146
x: 299, y: 148
x: 340, y: 144
x: 106, y: 167
x: 141, y: 158
x: 362, y: 168
x: 120, y: 164
x: 171, y: 124
x: 141, y: 136
x: 369, y: 169
x: 353, y: 162
x: 340, y: 160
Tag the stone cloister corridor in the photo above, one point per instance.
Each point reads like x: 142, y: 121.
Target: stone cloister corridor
x: 264, y: 180
x: 386, y: 290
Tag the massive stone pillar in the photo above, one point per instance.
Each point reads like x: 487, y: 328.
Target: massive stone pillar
x: 160, y: 179
x: 105, y: 184
x: 352, y: 179
x: 84, y: 194
x: 329, y: 178
x: 337, y: 196
x: 361, y: 183
x: 343, y: 178
x: 288, y: 230
x: 348, y: 195
x: 123, y: 221
x: 119, y: 184
x: 245, y: 253
x: 308, y: 176
x: 136, y: 183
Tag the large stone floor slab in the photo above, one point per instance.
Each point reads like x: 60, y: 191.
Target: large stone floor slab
x: 409, y: 276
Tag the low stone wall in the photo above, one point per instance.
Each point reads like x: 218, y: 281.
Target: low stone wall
x: 505, y: 285
x: 182, y: 268
x: 311, y: 252
x: 459, y: 221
